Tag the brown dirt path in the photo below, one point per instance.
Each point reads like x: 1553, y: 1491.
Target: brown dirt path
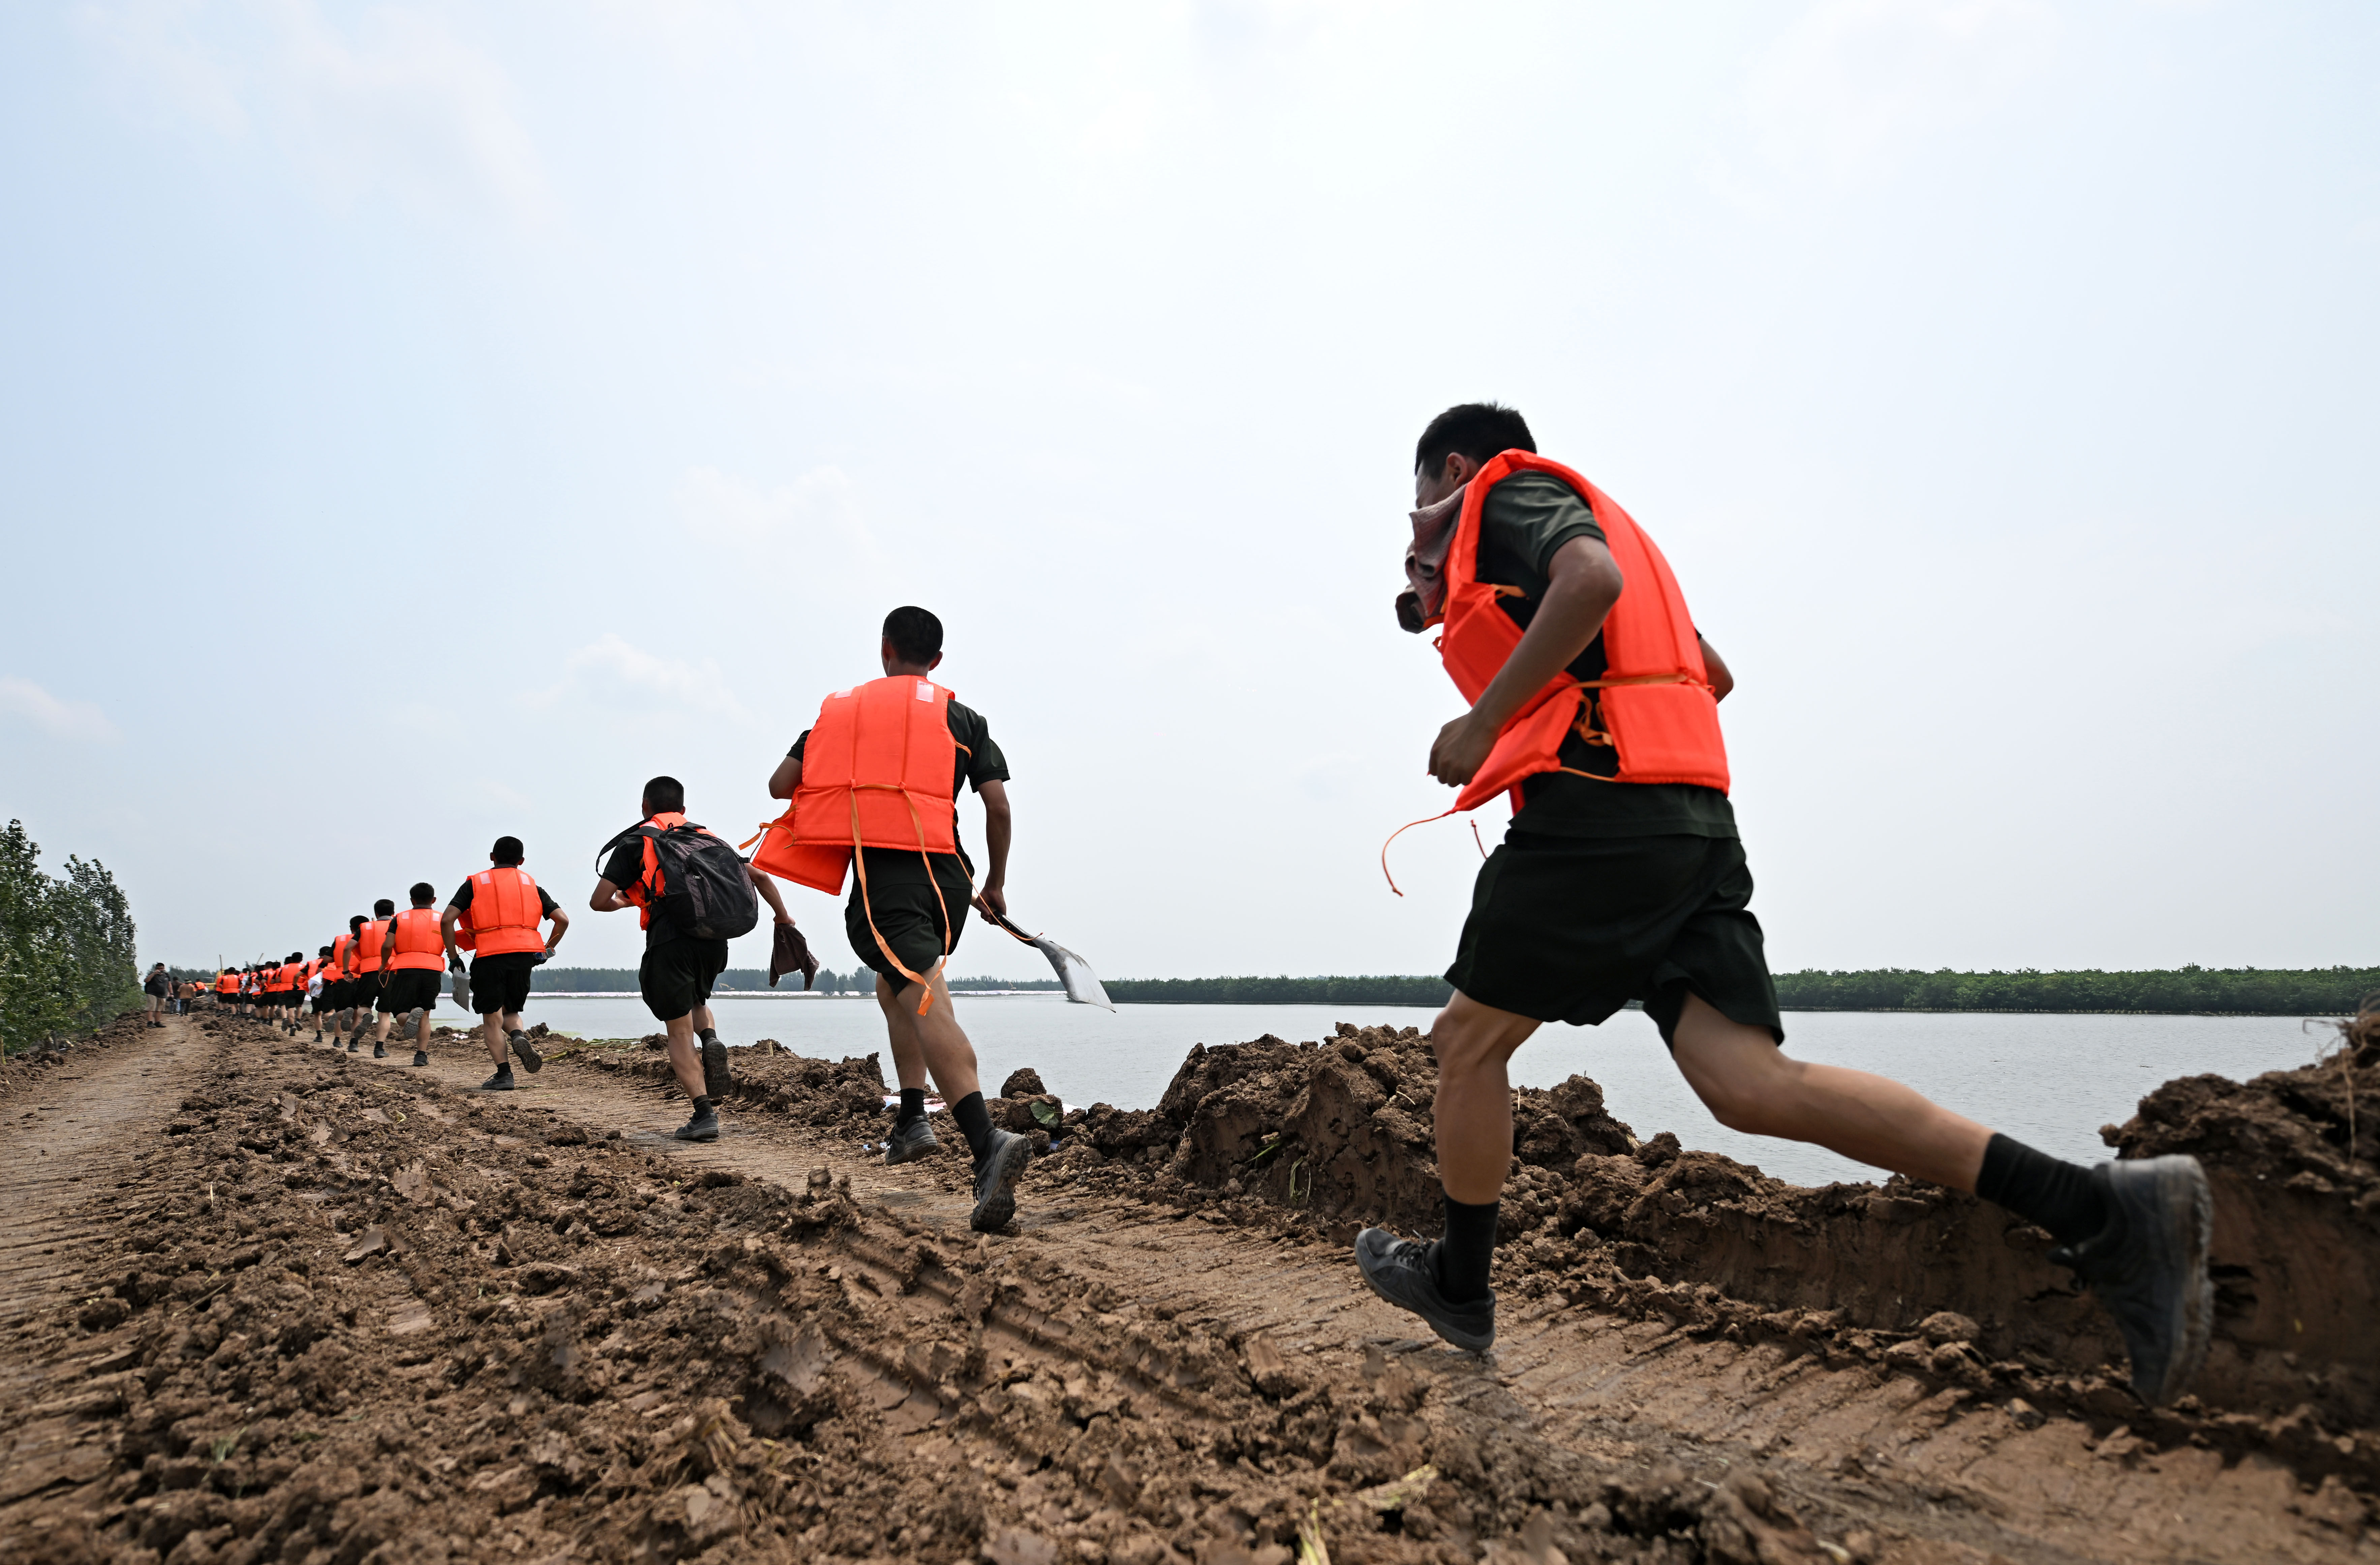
x: 76, y: 1135
x: 1898, y: 1471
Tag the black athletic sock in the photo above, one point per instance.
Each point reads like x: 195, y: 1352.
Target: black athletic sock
x: 2059, y: 1196
x: 913, y: 1105
x: 1460, y: 1259
x: 974, y: 1122
x: 709, y: 1035
x: 702, y: 1106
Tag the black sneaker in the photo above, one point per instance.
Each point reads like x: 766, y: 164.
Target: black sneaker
x: 380, y: 1049
x: 704, y: 1127
x: 500, y: 1081
x: 1399, y: 1271
x: 717, y: 1081
x: 910, y: 1142
x: 354, y: 1043
x: 532, y: 1060
x: 995, y: 1181
x: 420, y: 1057
x: 2148, y: 1266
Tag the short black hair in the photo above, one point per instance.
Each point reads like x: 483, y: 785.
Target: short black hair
x: 508, y: 850
x: 358, y: 922
x: 324, y: 952
x: 423, y: 894
x: 297, y: 956
x: 1477, y: 430
x: 383, y: 908
x: 915, y: 635
x: 664, y: 796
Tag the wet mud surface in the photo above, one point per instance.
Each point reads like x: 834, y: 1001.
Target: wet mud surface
x: 311, y: 1306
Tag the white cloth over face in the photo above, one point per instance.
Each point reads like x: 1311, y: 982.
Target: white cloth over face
x: 1423, y: 602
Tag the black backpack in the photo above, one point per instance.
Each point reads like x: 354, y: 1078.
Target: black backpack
x: 704, y: 890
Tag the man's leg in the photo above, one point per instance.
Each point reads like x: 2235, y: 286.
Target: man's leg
x: 1751, y: 1084
x: 913, y: 1136
x: 686, y: 1057
x: 1000, y: 1155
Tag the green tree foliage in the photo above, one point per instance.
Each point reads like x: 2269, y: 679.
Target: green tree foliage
x: 67, y: 959
x: 2247, y: 991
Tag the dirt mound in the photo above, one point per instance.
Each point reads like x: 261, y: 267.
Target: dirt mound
x: 829, y: 1094
x: 1913, y: 1277
x: 1339, y: 1130
x: 132, y: 1027
x: 368, y: 1317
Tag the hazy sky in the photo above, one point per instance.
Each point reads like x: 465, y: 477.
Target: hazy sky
x: 426, y: 421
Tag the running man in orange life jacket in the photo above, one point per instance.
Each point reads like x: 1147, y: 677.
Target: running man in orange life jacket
x: 914, y: 881
x: 413, y: 970
x: 499, y: 909
x: 354, y: 1004
x: 1594, y: 703
x: 366, y: 969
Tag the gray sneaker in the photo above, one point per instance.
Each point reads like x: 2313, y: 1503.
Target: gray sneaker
x: 910, y: 1142
x: 2148, y: 1266
x: 995, y: 1181
x: 704, y: 1127
x: 1399, y: 1271
x: 717, y: 1080
x: 532, y: 1060
x: 420, y: 1057
x: 500, y: 1081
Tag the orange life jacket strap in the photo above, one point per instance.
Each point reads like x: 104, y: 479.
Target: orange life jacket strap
x: 860, y: 858
x: 1399, y: 833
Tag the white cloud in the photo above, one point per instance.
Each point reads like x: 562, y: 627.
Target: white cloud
x: 611, y: 673
x: 716, y: 508
x: 68, y: 719
x: 393, y: 103
x: 1854, y: 85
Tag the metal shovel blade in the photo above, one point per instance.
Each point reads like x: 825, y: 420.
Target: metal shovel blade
x: 1082, y: 984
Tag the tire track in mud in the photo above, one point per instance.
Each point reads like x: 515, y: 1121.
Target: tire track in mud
x: 76, y: 1137
x: 1903, y: 1471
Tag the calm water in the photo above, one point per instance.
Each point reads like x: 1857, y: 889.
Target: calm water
x: 2048, y: 1080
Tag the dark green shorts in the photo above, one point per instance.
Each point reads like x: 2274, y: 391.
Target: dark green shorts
x: 906, y: 911
x: 1573, y: 928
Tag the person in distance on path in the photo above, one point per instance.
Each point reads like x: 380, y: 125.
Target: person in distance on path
x: 413, y: 968
x: 371, y: 936
x: 338, y: 986
x: 900, y: 829
x: 679, y: 967
x: 1594, y: 702
x: 320, y: 989
x: 503, y: 907
x: 157, y: 986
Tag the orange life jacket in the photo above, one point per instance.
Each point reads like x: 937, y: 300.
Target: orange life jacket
x: 419, y: 946
x: 368, y: 941
x: 504, y: 913
x: 339, y: 955
x: 228, y: 983
x: 283, y: 979
x: 880, y: 770
x: 1655, y: 702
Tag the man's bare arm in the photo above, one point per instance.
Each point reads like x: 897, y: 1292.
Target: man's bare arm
x: 1586, y: 582
x: 767, y: 885
x: 1721, y: 679
x: 607, y: 898
x: 447, y: 922
x: 561, y: 927
x: 999, y: 826
x: 786, y: 777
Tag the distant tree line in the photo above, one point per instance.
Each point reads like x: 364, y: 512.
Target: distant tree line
x: 2245, y: 992
x: 68, y: 961
x: 1386, y: 990
x: 2249, y: 991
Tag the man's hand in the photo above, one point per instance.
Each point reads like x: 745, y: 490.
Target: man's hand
x: 1460, y: 750
x: 993, y: 899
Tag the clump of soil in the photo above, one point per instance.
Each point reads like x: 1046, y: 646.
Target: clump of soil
x: 368, y: 1317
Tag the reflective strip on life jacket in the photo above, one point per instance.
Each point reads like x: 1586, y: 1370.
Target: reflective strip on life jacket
x: 419, y: 946
x: 879, y: 771
x: 504, y: 912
